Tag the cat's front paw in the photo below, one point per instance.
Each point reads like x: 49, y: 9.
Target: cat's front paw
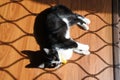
x: 83, y: 47
x: 84, y: 26
x: 87, y: 21
x: 86, y: 52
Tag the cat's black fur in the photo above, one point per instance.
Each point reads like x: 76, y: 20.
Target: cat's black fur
x: 54, y: 28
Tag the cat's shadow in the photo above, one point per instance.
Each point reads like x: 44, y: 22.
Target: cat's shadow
x: 35, y: 57
x: 38, y: 57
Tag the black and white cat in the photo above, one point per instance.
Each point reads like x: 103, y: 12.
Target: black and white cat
x: 57, y: 21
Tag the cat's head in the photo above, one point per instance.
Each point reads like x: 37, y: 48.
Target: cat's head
x: 51, y: 59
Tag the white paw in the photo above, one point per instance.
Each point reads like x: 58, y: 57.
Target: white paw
x: 86, y: 20
x: 86, y: 52
x: 85, y: 26
x: 83, y: 47
x: 87, y: 47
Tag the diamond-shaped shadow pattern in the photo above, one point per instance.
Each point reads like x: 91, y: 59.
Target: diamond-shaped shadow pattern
x: 83, y: 67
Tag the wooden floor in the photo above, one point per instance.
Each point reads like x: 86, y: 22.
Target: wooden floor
x: 16, y: 29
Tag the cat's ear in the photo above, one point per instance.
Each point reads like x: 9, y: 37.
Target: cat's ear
x: 46, y: 50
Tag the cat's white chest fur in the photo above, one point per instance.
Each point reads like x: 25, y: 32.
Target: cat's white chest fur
x: 67, y: 35
x: 65, y: 54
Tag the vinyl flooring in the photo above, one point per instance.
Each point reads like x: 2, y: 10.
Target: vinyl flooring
x: 16, y: 34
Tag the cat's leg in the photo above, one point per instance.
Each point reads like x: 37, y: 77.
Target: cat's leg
x: 82, y: 49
